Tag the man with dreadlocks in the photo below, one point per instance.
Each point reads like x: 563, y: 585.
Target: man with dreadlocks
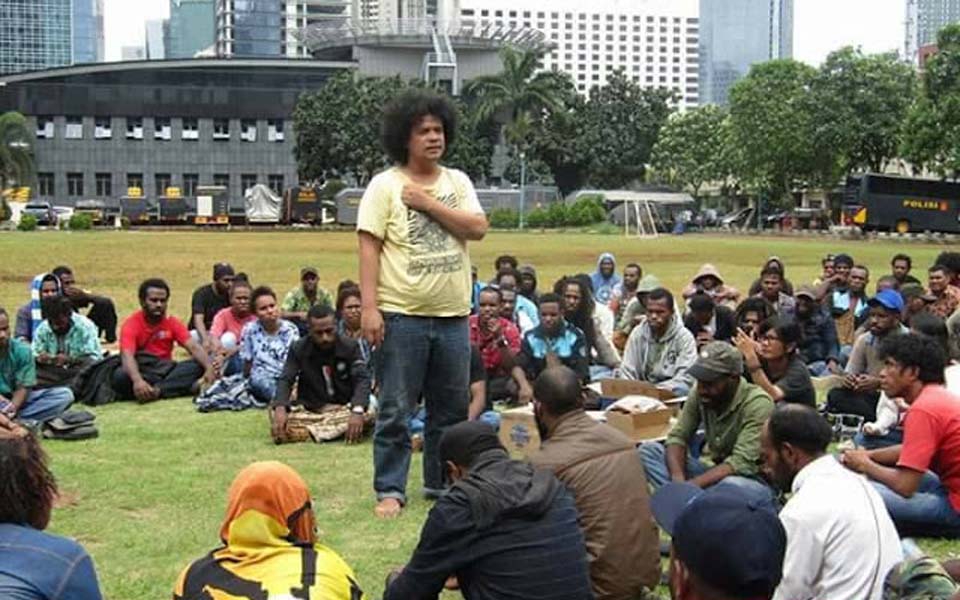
x: 35, y: 565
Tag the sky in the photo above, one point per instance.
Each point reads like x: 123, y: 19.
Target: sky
x: 820, y: 26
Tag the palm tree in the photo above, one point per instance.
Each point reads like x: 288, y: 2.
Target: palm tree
x: 16, y: 153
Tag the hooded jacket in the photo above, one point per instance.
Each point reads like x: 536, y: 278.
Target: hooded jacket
x: 29, y: 316
x: 507, y: 531
x: 722, y: 294
x: 603, y: 286
x: 662, y: 362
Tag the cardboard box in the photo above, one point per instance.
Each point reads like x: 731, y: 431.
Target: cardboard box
x: 518, y: 432
x: 618, y: 388
x: 642, y: 427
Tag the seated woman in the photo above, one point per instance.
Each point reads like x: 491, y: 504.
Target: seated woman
x: 773, y: 362
x: 35, y: 565
x: 264, y: 344
x: 269, y: 545
x: 227, y: 329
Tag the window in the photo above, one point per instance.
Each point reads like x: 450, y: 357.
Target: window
x: 276, y: 184
x: 74, y: 128
x: 161, y: 182
x: 45, y: 184
x: 191, y: 130
x: 162, y: 129
x: 102, y: 129
x: 275, y: 130
x: 45, y: 128
x: 221, y: 129
x: 134, y: 128
x: 247, y: 181
x: 190, y: 183
x: 248, y: 130
x: 135, y: 180
x: 222, y: 179
x: 74, y: 184
x: 104, y: 182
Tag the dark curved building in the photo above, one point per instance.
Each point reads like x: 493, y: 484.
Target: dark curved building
x: 104, y: 128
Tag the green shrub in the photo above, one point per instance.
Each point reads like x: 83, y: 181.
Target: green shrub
x: 81, y: 222
x: 537, y: 218
x: 27, y: 223
x: 504, y: 218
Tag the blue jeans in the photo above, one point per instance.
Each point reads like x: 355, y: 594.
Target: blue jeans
x: 872, y: 442
x: 262, y: 388
x: 818, y: 368
x: 419, y: 356
x: 928, y: 513
x: 653, y: 455
x: 490, y: 417
x: 43, y: 405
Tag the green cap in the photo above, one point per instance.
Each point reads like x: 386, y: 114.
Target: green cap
x: 716, y: 361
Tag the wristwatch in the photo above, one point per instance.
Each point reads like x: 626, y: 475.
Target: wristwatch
x: 502, y: 342
x: 358, y: 410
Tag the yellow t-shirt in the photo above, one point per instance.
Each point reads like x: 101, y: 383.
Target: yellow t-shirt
x: 424, y: 269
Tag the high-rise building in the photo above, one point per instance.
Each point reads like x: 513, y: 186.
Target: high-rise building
x: 252, y: 28
x: 40, y: 34
x: 133, y: 53
x: 735, y: 34
x: 925, y: 18
x: 654, y: 42
x: 154, y: 42
x: 191, y: 28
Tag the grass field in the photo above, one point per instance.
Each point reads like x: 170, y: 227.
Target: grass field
x: 148, y: 495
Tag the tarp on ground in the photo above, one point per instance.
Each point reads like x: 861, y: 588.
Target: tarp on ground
x: 261, y: 205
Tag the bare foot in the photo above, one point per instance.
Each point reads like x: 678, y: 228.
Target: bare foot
x: 388, y: 508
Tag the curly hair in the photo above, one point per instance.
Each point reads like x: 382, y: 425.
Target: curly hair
x: 27, y: 487
x: 917, y: 351
x: 402, y: 113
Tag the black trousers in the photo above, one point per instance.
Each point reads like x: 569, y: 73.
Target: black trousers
x: 102, y: 312
x: 177, y: 382
x: 844, y: 401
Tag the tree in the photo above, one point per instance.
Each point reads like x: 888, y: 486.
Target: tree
x: 691, y: 149
x: 472, y: 151
x: 931, y: 133
x: 771, y: 124
x: 859, y: 103
x: 16, y: 154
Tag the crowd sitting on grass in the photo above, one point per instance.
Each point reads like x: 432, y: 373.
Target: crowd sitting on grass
x: 756, y: 498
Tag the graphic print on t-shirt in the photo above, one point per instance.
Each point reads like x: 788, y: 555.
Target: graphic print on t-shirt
x: 434, y: 249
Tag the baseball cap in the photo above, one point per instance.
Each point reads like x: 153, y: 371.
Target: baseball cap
x: 805, y: 290
x: 308, y: 271
x: 912, y: 290
x: 715, y: 361
x: 732, y: 542
x: 888, y: 299
x: 222, y: 270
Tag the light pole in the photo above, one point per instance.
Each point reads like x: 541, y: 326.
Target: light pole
x: 523, y: 184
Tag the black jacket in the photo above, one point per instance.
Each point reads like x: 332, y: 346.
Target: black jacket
x: 819, y: 338
x: 726, y: 324
x: 338, y: 376
x: 507, y: 531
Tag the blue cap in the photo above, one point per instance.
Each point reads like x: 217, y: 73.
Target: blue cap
x: 732, y: 542
x: 888, y: 299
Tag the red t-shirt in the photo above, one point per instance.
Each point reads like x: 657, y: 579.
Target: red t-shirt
x: 487, y: 344
x: 225, y: 321
x: 931, y: 438
x: 137, y: 335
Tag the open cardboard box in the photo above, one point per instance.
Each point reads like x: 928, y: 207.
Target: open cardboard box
x: 519, y: 433
x: 640, y: 427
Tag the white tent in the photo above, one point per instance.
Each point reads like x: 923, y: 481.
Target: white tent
x: 261, y: 205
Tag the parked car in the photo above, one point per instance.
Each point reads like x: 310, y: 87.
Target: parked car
x: 95, y: 208
x: 42, y: 211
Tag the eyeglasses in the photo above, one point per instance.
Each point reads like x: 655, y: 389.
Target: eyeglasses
x: 770, y: 337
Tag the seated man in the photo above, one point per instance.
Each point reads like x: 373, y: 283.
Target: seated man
x: 836, y: 550
x: 18, y: 375
x: 35, y: 565
x: 771, y: 290
x: 524, y: 309
x: 818, y: 346
x: 919, y: 481
x: 208, y: 300
x: 65, y: 342
x: 846, y: 300
x: 268, y: 545
x: 635, y: 311
x: 708, y: 322
x: 528, y: 283
x: 264, y: 344
x: 102, y: 311
x: 661, y: 350
x: 708, y: 281
x: 599, y: 466
x: 861, y: 385
x: 329, y: 373
x: 773, y: 364
x: 147, y: 371
x: 498, y: 341
x: 226, y: 330
x: 625, y: 291
x: 723, y: 546
x: 900, y: 267
x: 503, y: 529
x: 553, y: 343
x: 298, y: 301
x: 732, y: 413
x: 508, y: 310
x: 30, y: 315
x: 604, y: 279
x: 946, y: 297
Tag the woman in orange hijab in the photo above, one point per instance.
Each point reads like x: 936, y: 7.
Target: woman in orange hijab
x: 269, y: 547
